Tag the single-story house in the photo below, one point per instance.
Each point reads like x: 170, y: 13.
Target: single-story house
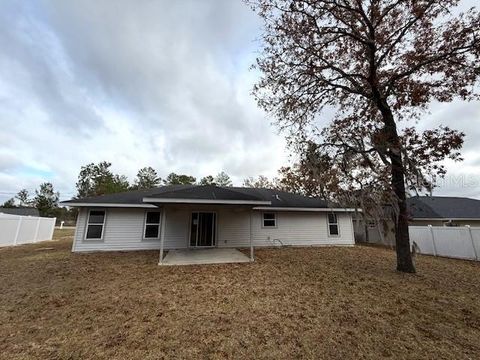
x: 192, y: 216
x: 423, y: 211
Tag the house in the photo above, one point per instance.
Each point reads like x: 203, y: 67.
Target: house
x: 192, y: 217
x: 444, y: 211
x: 22, y: 211
x: 423, y: 211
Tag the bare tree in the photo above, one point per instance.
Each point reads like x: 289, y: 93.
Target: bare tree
x: 375, y: 63
x: 260, y: 182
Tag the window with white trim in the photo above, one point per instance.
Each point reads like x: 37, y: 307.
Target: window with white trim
x: 95, y: 224
x: 333, y: 229
x: 269, y: 220
x: 152, y: 225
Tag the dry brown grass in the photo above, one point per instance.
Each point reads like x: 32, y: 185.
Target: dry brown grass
x: 291, y: 303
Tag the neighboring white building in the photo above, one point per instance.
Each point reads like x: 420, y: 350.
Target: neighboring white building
x: 189, y: 216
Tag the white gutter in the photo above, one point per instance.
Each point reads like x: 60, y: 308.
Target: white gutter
x: 142, y: 206
x: 267, y: 208
x: 201, y: 201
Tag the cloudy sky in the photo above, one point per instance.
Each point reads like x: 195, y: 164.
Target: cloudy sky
x: 149, y: 83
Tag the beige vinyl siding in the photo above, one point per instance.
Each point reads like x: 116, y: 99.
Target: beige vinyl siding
x: 80, y: 226
x: 124, y: 229
x: 233, y: 228
x: 293, y: 228
x: 302, y: 229
x: 176, y: 229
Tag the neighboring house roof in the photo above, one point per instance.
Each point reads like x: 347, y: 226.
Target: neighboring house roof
x: 443, y: 207
x: 23, y: 211
x: 266, y: 198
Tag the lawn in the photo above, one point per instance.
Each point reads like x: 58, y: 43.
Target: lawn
x: 291, y: 303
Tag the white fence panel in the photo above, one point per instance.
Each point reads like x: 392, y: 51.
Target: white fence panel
x: 423, y: 238
x: 455, y: 242
x: 45, y: 230
x: 8, y: 231
x: 16, y: 230
x: 27, y: 231
x: 476, y: 241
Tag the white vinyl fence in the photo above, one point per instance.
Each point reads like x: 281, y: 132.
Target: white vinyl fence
x: 16, y: 230
x: 455, y: 242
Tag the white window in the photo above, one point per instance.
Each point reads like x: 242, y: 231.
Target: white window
x: 269, y: 220
x: 152, y: 225
x: 333, y: 229
x: 95, y: 224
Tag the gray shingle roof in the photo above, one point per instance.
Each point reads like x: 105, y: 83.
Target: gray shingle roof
x: 134, y: 197
x: 208, y: 192
x: 440, y: 207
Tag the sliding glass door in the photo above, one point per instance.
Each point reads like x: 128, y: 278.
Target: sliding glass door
x: 203, y: 229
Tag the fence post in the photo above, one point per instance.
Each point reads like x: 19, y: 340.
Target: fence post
x: 433, y: 240
x: 473, y: 242
x: 19, y: 225
x: 53, y: 228
x: 36, y: 229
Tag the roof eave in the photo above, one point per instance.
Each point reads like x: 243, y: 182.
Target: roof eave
x: 317, y: 209
x: 117, y: 205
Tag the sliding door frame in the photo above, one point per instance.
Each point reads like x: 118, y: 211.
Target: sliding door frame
x: 214, y: 229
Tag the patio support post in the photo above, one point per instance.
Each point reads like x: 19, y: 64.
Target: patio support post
x: 162, y: 234
x: 251, y: 238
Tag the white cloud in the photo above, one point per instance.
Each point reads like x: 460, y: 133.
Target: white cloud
x: 141, y: 83
x: 155, y: 83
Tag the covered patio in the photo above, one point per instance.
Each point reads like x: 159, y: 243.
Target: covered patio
x: 204, y: 256
x: 200, y: 207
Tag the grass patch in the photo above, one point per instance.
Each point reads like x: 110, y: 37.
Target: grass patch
x: 291, y: 303
x: 63, y: 233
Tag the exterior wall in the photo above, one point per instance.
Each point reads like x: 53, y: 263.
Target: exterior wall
x: 426, y: 223
x: 302, y: 229
x: 124, y: 229
x: 177, y: 228
x: 233, y: 227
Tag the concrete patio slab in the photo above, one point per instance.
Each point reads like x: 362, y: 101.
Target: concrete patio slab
x: 204, y: 256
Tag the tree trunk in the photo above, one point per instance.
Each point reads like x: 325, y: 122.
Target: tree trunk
x: 394, y: 152
x: 402, y: 237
